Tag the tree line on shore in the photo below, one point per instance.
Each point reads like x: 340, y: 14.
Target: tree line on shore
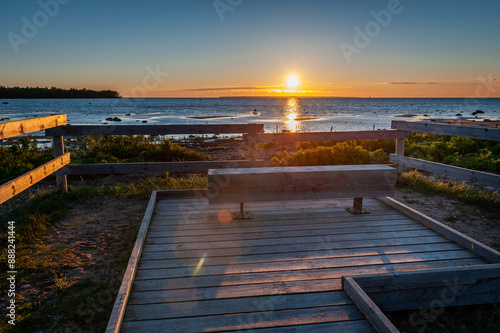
x: 54, y: 92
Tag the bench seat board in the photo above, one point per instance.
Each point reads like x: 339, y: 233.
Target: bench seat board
x: 300, y: 183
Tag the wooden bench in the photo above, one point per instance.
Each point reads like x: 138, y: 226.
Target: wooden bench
x: 301, y: 183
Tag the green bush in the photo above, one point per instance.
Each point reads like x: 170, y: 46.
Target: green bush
x: 116, y: 149
x: 21, y: 157
x: 468, y: 153
x: 341, y: 153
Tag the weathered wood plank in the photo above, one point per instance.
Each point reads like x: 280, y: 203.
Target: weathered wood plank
x: 328, y: 136
x: 295, y: 183
x: 296, y: 240
x: 222, y: 286
x: 426, y: 278
x: 430, y: 288
x: 204, y: 214
x: 478, y: 177
x: 278, y: 208
x: 475, y: 132
x: 154, y: 167
x: 99, y: 130
x: 21, y: 183
x: 372, y: 312
x: 478, y: 248
x: 196, y: 220
x: 294, y: 265
x: 351, y: 326
x: 261, y: 219
x: 15, y: 128
x: 285, y: 234
x: 325, y: 243
x: 176, y: 262
x: 116, y: 318
x: 269, y: 283
x: 323, y: 223
x: 173, y: 309
x: 247, y: 321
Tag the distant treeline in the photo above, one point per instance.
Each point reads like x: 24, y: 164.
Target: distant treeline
x: 53, y: 92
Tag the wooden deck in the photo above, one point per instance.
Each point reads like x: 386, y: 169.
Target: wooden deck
x: 280, y: 272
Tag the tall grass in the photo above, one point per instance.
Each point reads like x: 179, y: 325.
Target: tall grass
x: 459, y: 190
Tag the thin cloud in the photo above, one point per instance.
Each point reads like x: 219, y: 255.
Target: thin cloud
x: 222, y: 89
x: 413, y: 82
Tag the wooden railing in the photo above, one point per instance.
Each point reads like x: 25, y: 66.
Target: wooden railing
x: 157, y: 167
x: 57, y: 128
x: 476, y: 132
x: 16, y: 128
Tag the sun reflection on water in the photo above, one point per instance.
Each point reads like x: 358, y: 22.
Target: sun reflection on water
x: 292, y: 113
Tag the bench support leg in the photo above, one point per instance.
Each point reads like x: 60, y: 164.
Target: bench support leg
x: 357, y: 207
x: 242, y: 215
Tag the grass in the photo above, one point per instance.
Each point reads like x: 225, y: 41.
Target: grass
x: 415, y: 181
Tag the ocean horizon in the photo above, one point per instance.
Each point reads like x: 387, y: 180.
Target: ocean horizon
x: 304, y: 114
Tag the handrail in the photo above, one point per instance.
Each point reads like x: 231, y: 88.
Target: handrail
x: 475, y: 132
x: 327, y: 136
x: 20, y: 127
x: 21, y: 183
x: 100, y: 130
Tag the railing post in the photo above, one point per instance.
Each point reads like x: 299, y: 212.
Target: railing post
x: 400, y: 147
x: 62, y: 181
x: 252, y: 147
x: 400, y: 150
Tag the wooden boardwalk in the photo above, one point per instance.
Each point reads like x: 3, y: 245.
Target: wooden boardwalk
x: 280, y: 272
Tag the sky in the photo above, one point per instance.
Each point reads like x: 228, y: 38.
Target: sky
x: 213, y: 48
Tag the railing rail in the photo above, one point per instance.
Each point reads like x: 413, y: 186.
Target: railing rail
x: 21, y: 127
x: 475, y: 132
x: 99, y: 130
x: 56, y: 126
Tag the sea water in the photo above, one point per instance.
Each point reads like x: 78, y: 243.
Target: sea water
x: 277, y: 114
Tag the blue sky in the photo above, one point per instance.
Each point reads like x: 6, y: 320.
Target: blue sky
x: 430, y: 48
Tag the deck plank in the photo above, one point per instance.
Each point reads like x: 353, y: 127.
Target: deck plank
x: 403, y: 225
x: 247, y: 321
x: 300, y: 264
x: 196, y: 308
x: 320, y: 244
x: 289, y: 241
x: 280, y: 272
x: 334, y: 275
x: 306, y: 255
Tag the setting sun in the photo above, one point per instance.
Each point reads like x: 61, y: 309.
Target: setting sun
x: 292, y: 81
